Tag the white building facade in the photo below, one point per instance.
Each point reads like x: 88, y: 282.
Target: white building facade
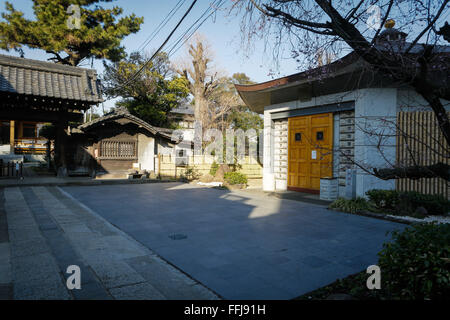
x: 337, y: 123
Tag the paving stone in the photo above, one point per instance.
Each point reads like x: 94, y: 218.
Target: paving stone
x: 5, y: 272
x: 41, y: 289
x: 140, y: 291
x: 87, y: 242
x: 29, y: 247
x: 91, y: 291
x: 100, y: 227
x: 116, y: 274
x: 40, y: 266
x: 4, y: 237
x: 22, y: 222
x: 168, y: 280
x: 122, y: 248
x: 5, y: 252
x: 6, y: 292
x: 25, y: 234
x: 315, y: 262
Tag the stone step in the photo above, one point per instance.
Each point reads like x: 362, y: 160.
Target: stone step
x: 112, y: 175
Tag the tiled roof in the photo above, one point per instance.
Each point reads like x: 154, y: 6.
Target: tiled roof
x: 184, y: 108
x: 46, y: 79
x: 124, y: 114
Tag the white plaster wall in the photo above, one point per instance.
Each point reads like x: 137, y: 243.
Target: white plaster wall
x: 146, y: 152
x: 372, y: 107
x: 188, y: 134
x: 409, y: 100
x: 268, y: 169
x: 5, y: 149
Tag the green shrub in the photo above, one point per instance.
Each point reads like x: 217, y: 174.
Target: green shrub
x: 383, y: 199
x: 235, y: 178
x: 351, y: 206
x: 401, y: 203
x: 416, y: 265
x: 190, y: 174
x: 214, y: 168
x: 435, y: 204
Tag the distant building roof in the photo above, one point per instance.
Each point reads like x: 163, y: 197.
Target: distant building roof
x: 184, y: 108
x: 50, y: 80
x: 122, y: 113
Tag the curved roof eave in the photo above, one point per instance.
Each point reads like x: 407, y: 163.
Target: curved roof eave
x: 258, y: 96
x: 120, y: 115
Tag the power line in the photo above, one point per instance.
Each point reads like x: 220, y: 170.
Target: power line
x: 161, y: 25
x: 177, y: 46
x: 180, y: 38
x: 162, y: 46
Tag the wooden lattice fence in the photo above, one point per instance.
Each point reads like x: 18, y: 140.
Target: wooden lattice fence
x: 420, y: 142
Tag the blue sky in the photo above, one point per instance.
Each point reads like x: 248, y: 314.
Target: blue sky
x: 222, y: 32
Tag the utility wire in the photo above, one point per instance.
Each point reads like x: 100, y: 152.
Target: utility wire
x: 161, y: 25
x: 160, y: 48
x: 177, y: 46
x: 182, y: 36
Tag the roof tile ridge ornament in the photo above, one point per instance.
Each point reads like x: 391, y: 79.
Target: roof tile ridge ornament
x: 391, y: 34
x: 121, y: 110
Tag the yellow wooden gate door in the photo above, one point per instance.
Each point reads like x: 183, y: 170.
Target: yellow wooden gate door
x: 310, y: 151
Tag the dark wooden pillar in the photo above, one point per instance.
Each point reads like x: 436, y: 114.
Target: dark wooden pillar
x: 60, y: 146
x: 12, y: 136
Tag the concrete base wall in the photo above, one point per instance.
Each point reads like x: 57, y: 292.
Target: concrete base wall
x: 202, y: 165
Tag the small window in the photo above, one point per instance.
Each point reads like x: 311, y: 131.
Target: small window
x: 320, y: 136
x: 298, y: 137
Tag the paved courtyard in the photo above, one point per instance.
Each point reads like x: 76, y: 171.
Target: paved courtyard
x: 43, y: 231
x: 241, y: 245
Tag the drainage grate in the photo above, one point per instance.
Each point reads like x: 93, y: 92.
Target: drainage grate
x: 178, y: 236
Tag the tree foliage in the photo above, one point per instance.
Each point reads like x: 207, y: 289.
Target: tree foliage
x: 241, y: 117
x: 153, y: 94
x: 99, y: 34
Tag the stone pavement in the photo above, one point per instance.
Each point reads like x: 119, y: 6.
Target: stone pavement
x: 5, y: 256
x: 242, y: 244
x: 43, y: 230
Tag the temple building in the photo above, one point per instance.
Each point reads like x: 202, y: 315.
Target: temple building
x: 34, y: 93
